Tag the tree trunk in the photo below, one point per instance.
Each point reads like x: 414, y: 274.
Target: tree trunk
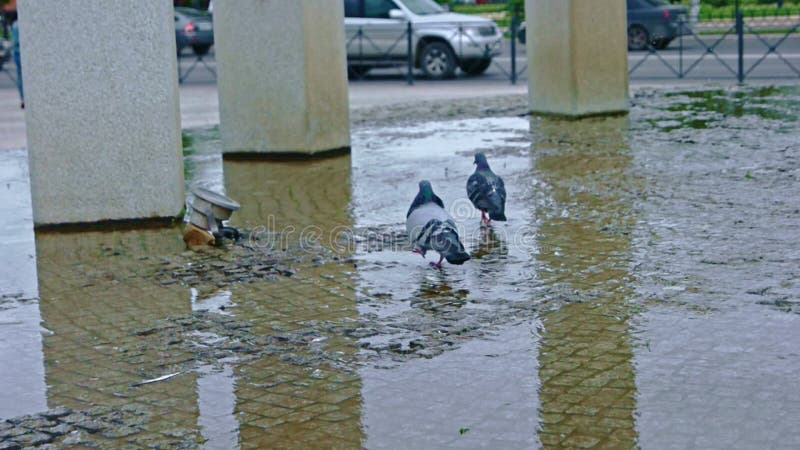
x: 694, y: 13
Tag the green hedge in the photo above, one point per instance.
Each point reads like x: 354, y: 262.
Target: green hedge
x: 486, y: 8
x: 709, y: 9
x: 724, y: 12
x: 732, y: 3
x: 490, y: 8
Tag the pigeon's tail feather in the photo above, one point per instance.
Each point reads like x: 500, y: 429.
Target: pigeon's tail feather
x: 457, y: 257
x: 497, y: 208
x: 499, y: 216
x: 446, y: 242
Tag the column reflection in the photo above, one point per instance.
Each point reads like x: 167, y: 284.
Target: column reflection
x: 308, y: 396
x: 22, y: 385
x: 104, y: 307
x: 585, y: 362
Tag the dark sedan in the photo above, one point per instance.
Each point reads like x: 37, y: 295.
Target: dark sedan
x: 654, y: 22
x: 650, y: 22
x: 193, y: 28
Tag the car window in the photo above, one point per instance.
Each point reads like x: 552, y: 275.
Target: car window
x: 656, y: 3
x: 378, y: 9
x: 352, y: 8
x: 634, y: 4
x: 423, y: 7
x: 191, y: 12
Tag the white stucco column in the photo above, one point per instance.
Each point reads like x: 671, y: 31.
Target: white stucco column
x: 102, y: 115
x: 282, y: 76
x: 577, y: 56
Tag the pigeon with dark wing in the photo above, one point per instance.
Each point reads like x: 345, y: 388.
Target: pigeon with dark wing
x: 430, y: 227
x: 487, y: 191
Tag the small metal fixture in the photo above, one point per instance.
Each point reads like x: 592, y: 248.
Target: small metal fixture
x: 207, y: 212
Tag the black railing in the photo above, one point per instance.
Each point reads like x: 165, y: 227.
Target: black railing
x: 196, y: 60
x: 746, y: 38
x: 738, y: 47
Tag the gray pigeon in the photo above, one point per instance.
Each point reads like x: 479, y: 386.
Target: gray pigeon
x: 430, y: 227
x: 487, y: 191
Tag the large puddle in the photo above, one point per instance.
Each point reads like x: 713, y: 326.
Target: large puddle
x: 643, y: 293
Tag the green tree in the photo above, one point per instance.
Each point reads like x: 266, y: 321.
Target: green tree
x: 518, y: 7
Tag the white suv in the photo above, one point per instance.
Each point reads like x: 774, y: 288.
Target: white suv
x: 441, y: 41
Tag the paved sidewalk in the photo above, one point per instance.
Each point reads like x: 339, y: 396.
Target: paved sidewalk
x: 200, y: 106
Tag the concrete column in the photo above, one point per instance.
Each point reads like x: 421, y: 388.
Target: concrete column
x: 578, y: 56
x: 282, y: 76
x: 102, y: 117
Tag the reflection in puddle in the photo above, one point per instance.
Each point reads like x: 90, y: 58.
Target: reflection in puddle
x: 717, y: 355
x: 216, y: 402
x: 295, y: 198
x: 588, y: 391
x: 701, y: 110
x: 468, y: 393
x: 202, y: 160
x: 220, y: 302
x: 96, y: 299
x: 528, y: 344
x: 308, y: 397
x: 716, y: 381
x: 22, y: 386
x: 443, y: 153
x: 482, y: 395
x: 216, y: 386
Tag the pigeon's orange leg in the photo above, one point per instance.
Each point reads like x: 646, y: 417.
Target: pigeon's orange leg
x: 484, y: 219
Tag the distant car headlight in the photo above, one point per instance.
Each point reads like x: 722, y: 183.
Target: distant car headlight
x: 480, y: 31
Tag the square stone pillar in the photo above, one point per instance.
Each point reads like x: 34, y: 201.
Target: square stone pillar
x: 577, y: 56
x: 102, y: 113
x: 282, y: 76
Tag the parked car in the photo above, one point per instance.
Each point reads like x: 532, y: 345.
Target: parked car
x: 441, y: 42
x: 193, y: 28
x: 650, y: 22
x: 655, y: 22
x: 5, y: 45
x: 5, y: 51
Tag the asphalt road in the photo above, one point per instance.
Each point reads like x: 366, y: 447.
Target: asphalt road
x: 691, y: 58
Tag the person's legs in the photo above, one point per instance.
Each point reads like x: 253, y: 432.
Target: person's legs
x: 18, y: 63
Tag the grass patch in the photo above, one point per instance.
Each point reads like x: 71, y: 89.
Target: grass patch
x: 707, y: 11
x: 186, y: 140
x: 759, y: 30
x: 486, y: 8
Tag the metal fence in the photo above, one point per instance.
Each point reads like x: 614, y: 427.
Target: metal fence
x: 737, y: 48
x: 739, y: 45
x: 196, y: 61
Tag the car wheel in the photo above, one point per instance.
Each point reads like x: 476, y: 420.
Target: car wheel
x: 638, y: 38
x: 438, y: 61
x: 357, y: 72
x: 200, y: 49
x: 661, y: 44
x: 476, y: 66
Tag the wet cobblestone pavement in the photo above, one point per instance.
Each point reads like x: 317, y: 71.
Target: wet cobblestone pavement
x: 644, y: 293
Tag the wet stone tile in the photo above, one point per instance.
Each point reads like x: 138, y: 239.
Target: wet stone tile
x: 579, y: 441
x: 299, y: 319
